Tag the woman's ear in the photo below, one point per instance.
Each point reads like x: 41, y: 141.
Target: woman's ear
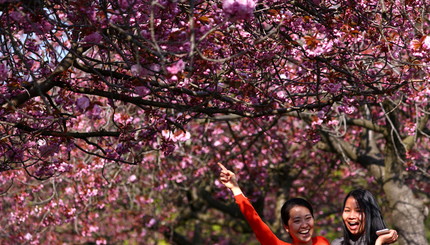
x: 286, y: 228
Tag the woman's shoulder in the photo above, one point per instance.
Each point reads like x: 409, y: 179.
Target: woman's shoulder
x: 337, y: 241
x: 320, y: 240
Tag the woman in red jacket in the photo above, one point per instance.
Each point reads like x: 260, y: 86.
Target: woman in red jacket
x: 296, y: 213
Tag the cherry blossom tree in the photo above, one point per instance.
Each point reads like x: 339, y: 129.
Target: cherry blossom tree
x: 115, y: 112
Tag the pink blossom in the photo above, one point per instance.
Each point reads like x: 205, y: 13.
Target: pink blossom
x: 42, y: 27
x: 176, y: 136
x: 151, y: 223
x: 281, y: 94
x: 153, y: 68
x: 16, y: 16
x: 317, y: 122
x: 83, y: 103
x: 184, y: 82
x: 333, y: 87
x: 93, y: 228
x: 28, y: 236
x: 239, y: 9
x: 179, y: 178
x: 177, y: 67
x: 95, y: 112
x: 93, y: 38
x: 3, y: 72
x: 132, y: 178
x: 322, y: 114
x: 136, y: 70
x: 101, y: 241
x: 333, y: 122
x: 426, y: 43
x: 142, y: 200
x: 347, y: 109
x: 48, y: 150
x: 63, y: 167
x: 69, y: 190
x: 410, y: 128
x: 142, y: 90
x: 124, y: 4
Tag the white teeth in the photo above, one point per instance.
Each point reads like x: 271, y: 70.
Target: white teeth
x: 304, y: 232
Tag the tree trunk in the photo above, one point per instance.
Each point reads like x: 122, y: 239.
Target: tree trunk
x: 408, y: 213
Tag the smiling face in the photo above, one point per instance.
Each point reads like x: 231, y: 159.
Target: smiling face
x: 353, y: 217
x: 300, y: 225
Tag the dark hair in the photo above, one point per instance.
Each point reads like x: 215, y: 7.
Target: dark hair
x: 372, y: 215
x: 288, y: 205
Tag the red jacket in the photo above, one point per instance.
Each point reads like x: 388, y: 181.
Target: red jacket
x: 263, y: 233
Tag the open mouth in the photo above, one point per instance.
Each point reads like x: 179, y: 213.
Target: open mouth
x: 354, y: 225
x: 304, y: 232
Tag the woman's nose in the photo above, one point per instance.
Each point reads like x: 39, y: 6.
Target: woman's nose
x: 305, y: 223
x: 353, y: 215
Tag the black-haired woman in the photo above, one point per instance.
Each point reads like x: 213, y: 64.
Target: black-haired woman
x: 362, y: 219
x: 297, y: 216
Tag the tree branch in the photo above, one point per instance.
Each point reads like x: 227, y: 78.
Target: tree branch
x: 368, y: 125
x: 43, y: 86
x: 79, y: 135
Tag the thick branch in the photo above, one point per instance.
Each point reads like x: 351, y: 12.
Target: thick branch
x: 362, y: 155
x: 67, y: 134
x: 368, y: 125
x: 198, y: 108
x: 339, y: 146
x: 42, y: 86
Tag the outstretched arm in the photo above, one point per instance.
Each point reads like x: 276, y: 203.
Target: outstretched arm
x: 261, y: 230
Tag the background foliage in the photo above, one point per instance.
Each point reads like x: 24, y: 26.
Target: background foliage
x: 115, y: 112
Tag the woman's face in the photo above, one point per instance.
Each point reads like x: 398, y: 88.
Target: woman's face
x: 353, y: 217
x: 300, y: 225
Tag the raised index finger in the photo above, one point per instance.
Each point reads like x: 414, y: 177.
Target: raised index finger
x: 221, y: 166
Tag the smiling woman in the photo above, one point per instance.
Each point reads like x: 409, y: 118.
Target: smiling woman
x: 297, y: 216
x: 362, y: 219
x: 353, y: 217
